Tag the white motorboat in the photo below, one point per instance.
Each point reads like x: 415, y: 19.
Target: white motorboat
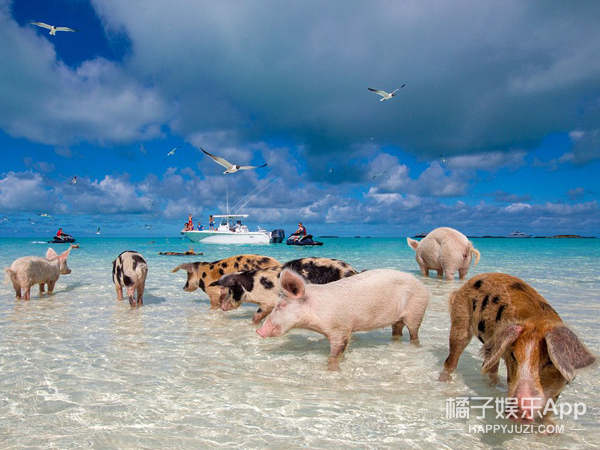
x: 519, y: 234
x: 229, y: 232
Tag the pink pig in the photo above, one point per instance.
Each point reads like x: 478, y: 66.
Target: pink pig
x: 367, y: 301
x: 445, y: 250
x: 30, y: 270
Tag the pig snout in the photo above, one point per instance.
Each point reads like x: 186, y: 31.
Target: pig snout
x: 268, y: 329
x: 530, y: 403
x: 226, y: 306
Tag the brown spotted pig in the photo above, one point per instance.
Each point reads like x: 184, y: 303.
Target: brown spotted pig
x: 260, y: 286
x: 515, y: 323
x: 203, y: 274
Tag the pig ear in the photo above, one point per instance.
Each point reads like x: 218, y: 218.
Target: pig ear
x: 567, y: 352
x: 64, y: 255
x: 51, y: 254
x: 228, y: 280
x: 292, y: 283
x: 493, y: 352
x: 412, y: 243
x: 187, y: 267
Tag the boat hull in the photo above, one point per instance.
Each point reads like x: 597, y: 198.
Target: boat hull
x: 219, y: 237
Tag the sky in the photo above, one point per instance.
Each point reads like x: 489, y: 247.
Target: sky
x: 497, y: 128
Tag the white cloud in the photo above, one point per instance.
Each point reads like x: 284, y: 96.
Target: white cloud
x: 517, y: 207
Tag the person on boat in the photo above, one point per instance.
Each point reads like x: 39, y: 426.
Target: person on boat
x: 200, y: 227
x: 186, y: 226
x: 190, y: 222
x: 238, y: 227
x: 300, y: 232
x: 211, y: 223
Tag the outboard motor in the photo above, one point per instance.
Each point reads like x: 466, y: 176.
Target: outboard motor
x: 277, y: 236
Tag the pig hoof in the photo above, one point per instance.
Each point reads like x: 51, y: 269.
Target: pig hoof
x: 444, y: 377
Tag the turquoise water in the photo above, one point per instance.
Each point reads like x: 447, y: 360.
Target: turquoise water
x: 82, y: 370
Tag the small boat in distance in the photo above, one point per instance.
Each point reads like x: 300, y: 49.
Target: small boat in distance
x: 229, y: 233
x: 519, y: 234
x: 422, y: 234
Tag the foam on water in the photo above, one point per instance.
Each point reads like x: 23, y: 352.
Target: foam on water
x: 82, y: 370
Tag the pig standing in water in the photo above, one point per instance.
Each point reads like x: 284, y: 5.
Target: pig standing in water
x: 30, y: 270
x: 130, y: 270
x: 517, y: 324
x: 367, y: 301
x: 260, y: 285
x: 445, y: 250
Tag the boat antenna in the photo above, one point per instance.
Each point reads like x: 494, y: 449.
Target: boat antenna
x: 251, y: 192
x: 227, y: 196
x: 259, y: 192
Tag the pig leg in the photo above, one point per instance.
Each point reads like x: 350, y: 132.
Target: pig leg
x: 51, y: 285
x: 440, y: 272
x: 413, y: 324
x: 463, y: 273
x: 119, y: 290
x: 493, y: 373
x: 27, y: 294
x: 460, y: 336
x: 337, y: 348
x: 424, y: 270
x: 397, y: 329
x: 449, y: 274
x: 17, y: 289
x: 214, y: 295
x: 130, y: 293
x: 140, y: 295
x: 42, y: 290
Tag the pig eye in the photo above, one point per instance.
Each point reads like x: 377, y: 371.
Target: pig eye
x: 547, y: 364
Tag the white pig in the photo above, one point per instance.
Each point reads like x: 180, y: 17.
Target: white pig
x: 366, y: 301
x: 30, y: 270
x: 130, y: 271
x: 445, y: 250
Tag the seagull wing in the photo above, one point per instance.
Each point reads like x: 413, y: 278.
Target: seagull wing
x: 377, y: 91
x: 219, y: 160
x: 66, y: 29
x: 251, y: 167
x: 41, y: 24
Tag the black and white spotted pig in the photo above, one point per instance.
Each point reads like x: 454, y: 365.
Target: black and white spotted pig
x: 261, y: 286
x: 129, y: 271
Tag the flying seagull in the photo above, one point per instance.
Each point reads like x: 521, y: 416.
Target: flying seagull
x: 32, y: 222
x: 378, y: 175
x: 171, y: 153
x: 231, y: 168
x: 385, y: 95
x: 444, y: 160
x: 149, y: 227
x: 52, y: 28
x: 74, y: 180
x: 46, y: 215
x: 98, y: 232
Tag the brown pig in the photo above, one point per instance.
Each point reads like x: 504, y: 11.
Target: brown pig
x: 203, y: 274
x: 515, y: 323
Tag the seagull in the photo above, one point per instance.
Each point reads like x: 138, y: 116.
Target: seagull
x: 52, y: 28
x: 171, y: 153
x: 98, y: 232
x: 151, y: 202
x: 331, y: 170
x: 231, y: 168
x: 6, y: 219
x: 46, y: 215
x: 444, y: 160
x: 149, y: 227
x: 32, y: 222
x: 74, y: 180
x: 378, y: 175
x: 385, y: 95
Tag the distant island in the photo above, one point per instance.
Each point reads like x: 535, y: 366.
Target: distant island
x: 328, y: 237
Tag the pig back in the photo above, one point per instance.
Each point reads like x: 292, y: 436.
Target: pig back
x: 369, y: 300
x: 31, y: 270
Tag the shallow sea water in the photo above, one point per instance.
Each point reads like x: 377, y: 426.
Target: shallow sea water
x: 81, y: 370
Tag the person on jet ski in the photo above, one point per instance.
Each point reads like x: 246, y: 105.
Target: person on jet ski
x: 59, y: 233
x: 300, y: 232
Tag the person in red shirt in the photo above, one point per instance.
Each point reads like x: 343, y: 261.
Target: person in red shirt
x: 59, y: 233
x: 190, y: 222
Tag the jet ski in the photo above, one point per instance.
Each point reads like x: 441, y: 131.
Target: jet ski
x: 304, y: 240
x: 64, y: 239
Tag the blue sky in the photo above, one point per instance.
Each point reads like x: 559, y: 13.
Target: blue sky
x: 497, y: 128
